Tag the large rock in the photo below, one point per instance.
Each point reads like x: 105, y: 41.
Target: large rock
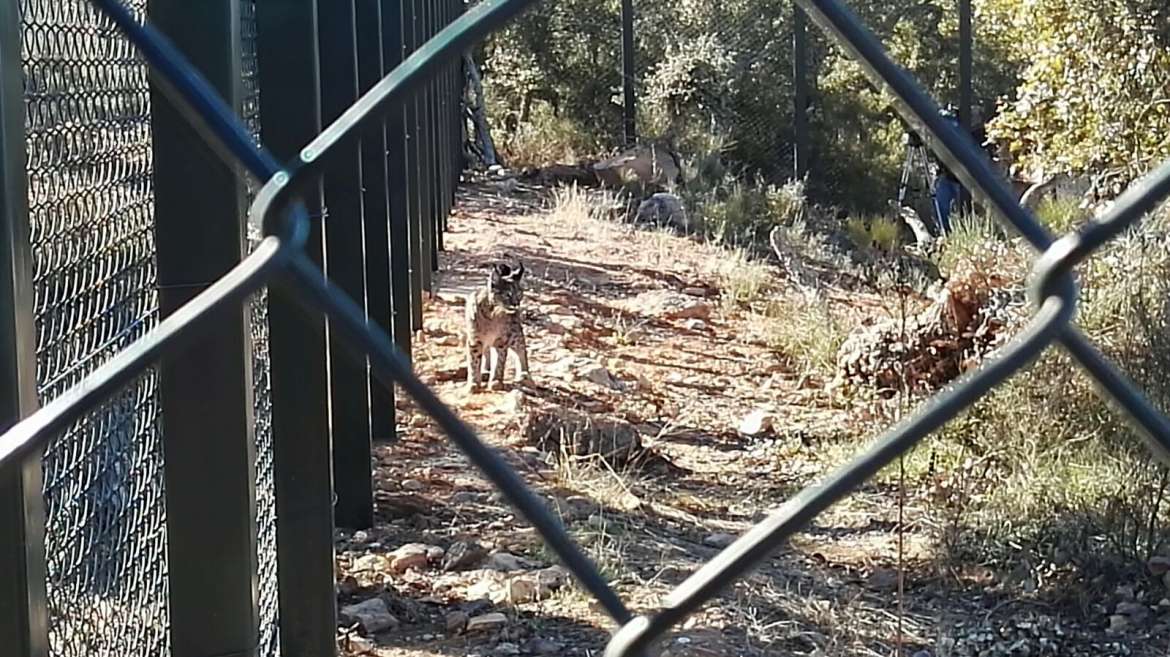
x: 372, y: 616
x: 584, y: 434
x: 508, y: 562
x: 647, y: 164
x: 464, y: 555
x: 409, y: 557
x: 487, y: 622
x: 668, y: 305
x: 663, y: 209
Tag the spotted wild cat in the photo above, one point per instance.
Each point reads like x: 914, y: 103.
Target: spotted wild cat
x: 494, y: 327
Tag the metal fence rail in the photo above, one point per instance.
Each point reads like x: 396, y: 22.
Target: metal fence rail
x: 285, y: 259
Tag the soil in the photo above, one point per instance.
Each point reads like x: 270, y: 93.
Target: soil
x: 630, y: 432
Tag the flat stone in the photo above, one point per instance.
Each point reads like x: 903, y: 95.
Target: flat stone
x: 487, y: 622
x: 542, y: 646
x: 1159, y: 565
x: 755, y: 423
x: 1134, y: 610
x: 372, y: 616
x: 465, y: 497
x: 409, y: 557
x: 719, y: 540
x: 457, y: 621
x: 554, y: 577
x: 506, y: 562
x: 463, y: 555
x: 371, y: 562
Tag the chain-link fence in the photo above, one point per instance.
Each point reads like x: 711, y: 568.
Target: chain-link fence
x: 287, y: 226
x: 261, y: 384
x: 90, y: 200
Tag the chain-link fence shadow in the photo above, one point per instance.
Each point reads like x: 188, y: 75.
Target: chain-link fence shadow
x: 280, y: 260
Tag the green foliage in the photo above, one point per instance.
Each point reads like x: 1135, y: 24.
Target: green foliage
x: 724, y: 70
x: 1066, y: 477
x: 1093, y: 98
x: 558, y: 64
x: 740, y: 214
x: 874, y: 232
x: 805, y: 332
x: 1060, y: 214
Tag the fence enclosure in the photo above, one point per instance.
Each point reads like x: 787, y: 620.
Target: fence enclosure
x: 172, y: 424
x: 116, y: 214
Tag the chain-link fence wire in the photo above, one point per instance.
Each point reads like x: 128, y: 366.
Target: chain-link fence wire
x: 1054, y: 294
x: 268, y: 599
x: 91, y: 214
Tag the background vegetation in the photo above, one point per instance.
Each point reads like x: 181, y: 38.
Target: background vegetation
x: 1044, y: 471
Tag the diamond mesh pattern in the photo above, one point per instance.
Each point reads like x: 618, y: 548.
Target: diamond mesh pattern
x: 91, y: 210
x: 262, y: 403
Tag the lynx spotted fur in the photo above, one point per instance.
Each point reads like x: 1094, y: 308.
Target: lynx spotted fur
x: 494, y: 327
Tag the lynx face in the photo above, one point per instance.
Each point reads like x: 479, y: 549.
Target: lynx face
x: 505, y: 285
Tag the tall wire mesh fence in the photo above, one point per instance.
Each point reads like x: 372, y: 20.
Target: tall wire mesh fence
x: 261, y: 384
x: 91, y: 206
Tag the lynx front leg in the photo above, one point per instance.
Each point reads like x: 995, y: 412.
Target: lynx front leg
x: 496, y: 372
x: 521, y: 350
x: 474, y: 365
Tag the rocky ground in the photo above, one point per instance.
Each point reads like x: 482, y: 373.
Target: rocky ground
x: 660, y: 425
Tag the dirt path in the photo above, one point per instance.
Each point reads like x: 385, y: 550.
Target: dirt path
x: 629, y: 341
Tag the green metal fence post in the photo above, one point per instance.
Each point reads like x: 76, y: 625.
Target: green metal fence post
x: 344, y: 262
x: 800, y: 96
x: 24, y: 623
x: 377, y: 210
x: 290, y: 116
x: 419, y: 275
x: 457, y: 82
x: 629, y: 95
x: 393, y: 46
x: 206, y: 389
x: 432, y: 27
x: 426, y: 179
x: 966, y: 92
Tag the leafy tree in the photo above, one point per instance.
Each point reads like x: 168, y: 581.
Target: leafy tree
x: 1095, y: 96
x: 720, y: 75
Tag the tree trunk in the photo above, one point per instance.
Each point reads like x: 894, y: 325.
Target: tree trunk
x: 479, y: 112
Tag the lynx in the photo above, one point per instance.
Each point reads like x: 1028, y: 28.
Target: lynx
x: 494, y: 327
